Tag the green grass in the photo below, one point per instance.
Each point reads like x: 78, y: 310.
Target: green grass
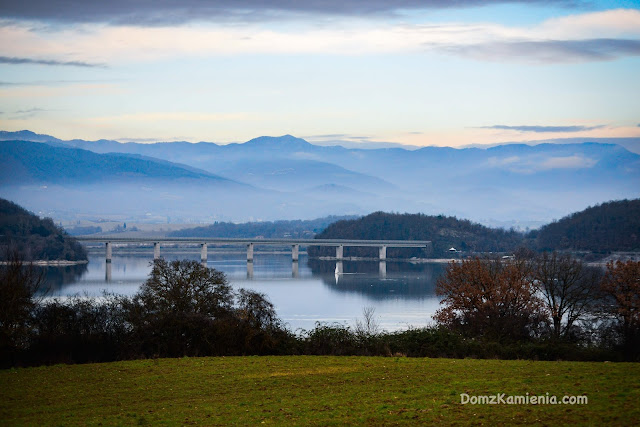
x: 315, y: 390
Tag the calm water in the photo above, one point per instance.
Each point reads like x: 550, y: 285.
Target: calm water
x: 402, y: 293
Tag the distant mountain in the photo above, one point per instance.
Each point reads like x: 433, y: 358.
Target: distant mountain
x: 297, y: 179
x: 271, y: 143
x: 30, y: 162
x: 335, y: 190
x: 611, y: 226
x: 27, y: 135
x: 73, y: 183
x: 293, y: 174
x: 632, y: 144
x: 34, y: 238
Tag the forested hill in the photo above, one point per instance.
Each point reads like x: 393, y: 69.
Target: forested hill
x: 444, y: 232
x: 612, y: 226
x: 35, y: 238
x: 275, y: 230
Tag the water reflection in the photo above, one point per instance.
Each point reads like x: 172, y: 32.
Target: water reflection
x: 249, y: 270
x: 379, y: 280
x: 56, y: 278
x: 303, y: 292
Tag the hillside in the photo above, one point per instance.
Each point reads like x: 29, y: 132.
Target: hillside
x: 444, y: 232
x: 35, y: 238
x: 515, y: 184
x: 271, y: 230
x: 612, y: 226
x: 33, y: 162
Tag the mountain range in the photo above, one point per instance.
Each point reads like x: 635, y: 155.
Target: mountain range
x: 285, y: 177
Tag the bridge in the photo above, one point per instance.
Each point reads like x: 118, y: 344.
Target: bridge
x: 295, y: 244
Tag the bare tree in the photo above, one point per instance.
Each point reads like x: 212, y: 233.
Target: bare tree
x: 18, y: 285
x: 569, y: 290
x: 369, y: 325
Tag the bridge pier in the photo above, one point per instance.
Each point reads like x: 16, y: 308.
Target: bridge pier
x: 108, y: 248
x: 339, y: 270
x: 156, y: 250
x: 382, y: 269
x: 295, y: 249
x: 107, y: 272
x: 339, y: 252
x: 383, y: 253
x: 203, y: 253
x: 250, y: 252
x: 294, y: 269
x: 249, y: 269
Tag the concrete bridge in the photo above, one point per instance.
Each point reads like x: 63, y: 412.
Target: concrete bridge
x: 295, y: 244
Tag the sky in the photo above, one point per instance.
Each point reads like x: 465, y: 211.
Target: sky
x: 416, y: 72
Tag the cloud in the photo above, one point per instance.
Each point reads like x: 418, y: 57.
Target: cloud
x: 17, y: 61
x: 153, y: 140
x: 171, y: 12
x: 543, y: 129
x: 532, y: 164
x: 25, y: 92
x: 568, y: 162
x: 352, y: 141
x: 27, y: 114
x: 57, y: 82
x: 496, y: 161
x: 92, y: 45
x: 551, y: 51
x: 174, y: 116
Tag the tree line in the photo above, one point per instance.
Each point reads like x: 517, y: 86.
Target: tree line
x: 35, y: 238
x: 548, y: 306
x: 301, y: 229
x: 548, y: 297
x: 443, y: 231
x: 611, y: 226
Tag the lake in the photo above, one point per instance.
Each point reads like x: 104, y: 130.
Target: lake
x: 402, y: 293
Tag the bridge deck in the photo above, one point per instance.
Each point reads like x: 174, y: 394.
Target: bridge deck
x: 231, y: 241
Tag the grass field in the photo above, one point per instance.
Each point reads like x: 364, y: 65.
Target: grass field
x: 315, y: 390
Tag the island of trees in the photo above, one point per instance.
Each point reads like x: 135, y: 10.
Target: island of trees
x: 601, y: 229
x: 612, y: 226
x: 443, y: 231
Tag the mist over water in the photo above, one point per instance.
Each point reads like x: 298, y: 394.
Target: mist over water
x: 402, y: 293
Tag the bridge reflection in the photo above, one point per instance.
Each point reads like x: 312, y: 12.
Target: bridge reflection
x: 379, y: 280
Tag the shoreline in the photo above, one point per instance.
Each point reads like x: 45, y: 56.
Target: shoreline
x: 50, y: 263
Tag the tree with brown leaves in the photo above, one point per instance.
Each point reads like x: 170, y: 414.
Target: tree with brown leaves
x: 622, y: 283
x: 490, y: 298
